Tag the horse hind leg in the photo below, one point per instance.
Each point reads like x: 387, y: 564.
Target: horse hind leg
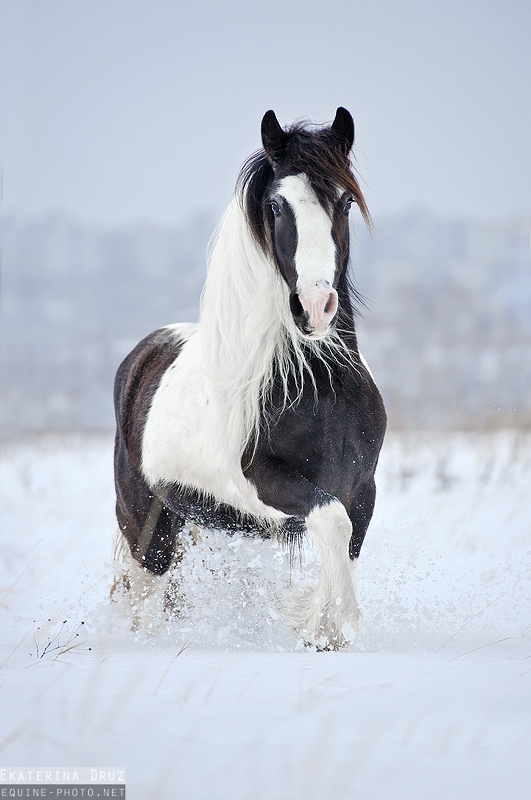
x: 143, y: 591
x: 327, y: 616
x: 121, y: 561
x: 148, y: 578
x: 175, y: 601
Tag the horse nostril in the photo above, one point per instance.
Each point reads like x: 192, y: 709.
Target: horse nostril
x: 331, y: 304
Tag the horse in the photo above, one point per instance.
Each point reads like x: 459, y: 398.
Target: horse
x: 263, y: 417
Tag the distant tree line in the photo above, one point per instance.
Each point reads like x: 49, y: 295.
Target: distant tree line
x: 447, y: 331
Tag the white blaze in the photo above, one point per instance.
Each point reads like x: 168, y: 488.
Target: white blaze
x: 315, y: 256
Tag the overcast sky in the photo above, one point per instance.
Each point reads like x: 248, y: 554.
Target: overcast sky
x: 119, y: 111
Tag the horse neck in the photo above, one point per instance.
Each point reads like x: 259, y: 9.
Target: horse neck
x: 248, y: 336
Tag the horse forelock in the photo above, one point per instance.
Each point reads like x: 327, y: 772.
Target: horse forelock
x: 318, y: 154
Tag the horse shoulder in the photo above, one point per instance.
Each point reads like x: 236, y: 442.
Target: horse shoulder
x: 177, y: 440
x: 333, y: 434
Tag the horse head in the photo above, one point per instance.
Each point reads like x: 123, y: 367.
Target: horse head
x: 298, y: 194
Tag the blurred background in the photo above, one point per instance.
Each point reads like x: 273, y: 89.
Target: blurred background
x: 124, y: 124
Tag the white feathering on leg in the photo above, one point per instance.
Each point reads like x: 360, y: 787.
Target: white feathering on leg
x: 328, y: 615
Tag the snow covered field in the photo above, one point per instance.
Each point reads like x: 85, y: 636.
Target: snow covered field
x: 433, y: 700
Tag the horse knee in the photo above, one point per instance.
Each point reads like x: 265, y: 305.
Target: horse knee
x: 330, y: 527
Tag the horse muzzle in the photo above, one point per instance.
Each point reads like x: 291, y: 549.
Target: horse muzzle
x: 314, y: 310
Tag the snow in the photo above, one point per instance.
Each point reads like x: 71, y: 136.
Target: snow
x: 433, y: 699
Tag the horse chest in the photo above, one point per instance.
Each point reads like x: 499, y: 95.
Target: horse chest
x: 327, y: 439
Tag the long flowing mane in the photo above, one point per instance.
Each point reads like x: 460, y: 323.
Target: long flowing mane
x: 253, y: 342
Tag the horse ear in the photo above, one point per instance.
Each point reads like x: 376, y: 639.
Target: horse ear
x: 274, y: 138
x: 343, y: 126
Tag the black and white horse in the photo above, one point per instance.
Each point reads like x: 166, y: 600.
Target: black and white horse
x: 263, y: 417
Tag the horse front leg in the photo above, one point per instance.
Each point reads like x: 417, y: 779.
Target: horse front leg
x: 340, y: 617
x: 326, y: 616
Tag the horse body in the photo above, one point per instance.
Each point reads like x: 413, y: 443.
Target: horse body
x: 263, y: 417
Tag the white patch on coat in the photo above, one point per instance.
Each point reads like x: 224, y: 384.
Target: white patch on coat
x: 184, y: 437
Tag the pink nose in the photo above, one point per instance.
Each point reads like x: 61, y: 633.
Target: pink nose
x: 321, y: 306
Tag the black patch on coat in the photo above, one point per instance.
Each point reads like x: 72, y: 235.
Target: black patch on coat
x: 149, y: 527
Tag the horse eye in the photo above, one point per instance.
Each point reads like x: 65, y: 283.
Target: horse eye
x: 275, y: 208
x: 347, y: 204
